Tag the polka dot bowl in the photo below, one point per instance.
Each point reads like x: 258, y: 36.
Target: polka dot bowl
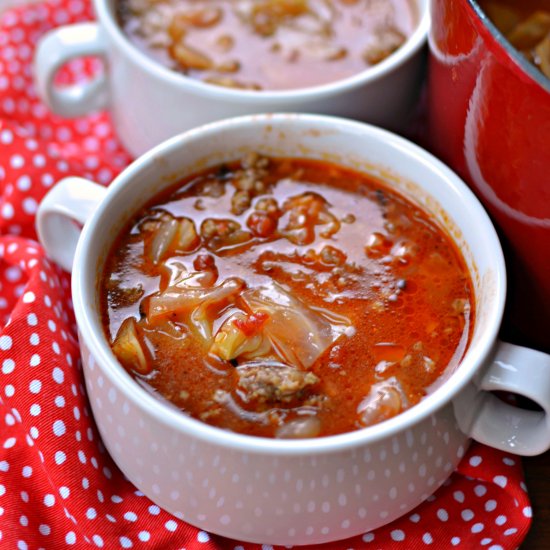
x: 297, y: 491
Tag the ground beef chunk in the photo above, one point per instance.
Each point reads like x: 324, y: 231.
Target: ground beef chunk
x: 273, y: 382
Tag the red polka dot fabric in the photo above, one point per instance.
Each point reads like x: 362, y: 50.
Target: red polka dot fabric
x: 58, y: 486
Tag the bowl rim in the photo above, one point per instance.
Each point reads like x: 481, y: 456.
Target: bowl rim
x: 183, y: 424
x: 413, y: 44
x: 514, y: 55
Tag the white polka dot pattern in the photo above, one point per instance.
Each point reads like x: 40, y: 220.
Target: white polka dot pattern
x: 58, y: 486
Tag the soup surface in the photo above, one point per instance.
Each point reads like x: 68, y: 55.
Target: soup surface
x: 267, y: 44
x: 526, y: 25
x: 286, y: 298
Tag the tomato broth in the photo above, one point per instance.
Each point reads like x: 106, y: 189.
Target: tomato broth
x: 286, y: 298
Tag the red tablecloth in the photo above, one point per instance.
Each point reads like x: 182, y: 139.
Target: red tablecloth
x: 58, y: 486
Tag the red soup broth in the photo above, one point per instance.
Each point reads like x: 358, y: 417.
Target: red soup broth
x: 286, y: 298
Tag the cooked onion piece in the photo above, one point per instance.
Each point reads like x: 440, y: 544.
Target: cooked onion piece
x: 129, y: 349
x: 171, y: 236
x: 301, y: 428
x: 385, y: 399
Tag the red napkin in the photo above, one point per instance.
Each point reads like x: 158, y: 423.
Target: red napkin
x: 58, y: 486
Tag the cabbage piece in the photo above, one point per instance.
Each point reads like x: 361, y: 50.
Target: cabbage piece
x: 241, y: 334
x: 299, y: 334
x: 192, y: 300
x: 128, y: 348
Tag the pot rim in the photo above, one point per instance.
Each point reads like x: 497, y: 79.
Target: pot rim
x: 527, y: 68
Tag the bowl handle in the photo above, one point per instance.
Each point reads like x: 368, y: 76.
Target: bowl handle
x: 522, y: 371
x: 54, y: 50
x: 61, y: 215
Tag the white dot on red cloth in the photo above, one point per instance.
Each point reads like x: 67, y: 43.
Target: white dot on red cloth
x: 490, y: 505
x: 16, y: 161
x: 125, y: 542
x: 9, y: 443
x: 8, y: 365
x: 171, y: 525
x: 32, y: 319
x: 49, y: 500
x: 7, y: 211
x: 475, y: 460
x: 13, y: 274
x: 29, y: 297
x: 480, y: 490
x: 202, y: 536
x: 5, y: 342
x: 154, y: 510
x: 527, y: 511
x: 6, y: 137
x: 144, y: 536
x: 59, y: 428
x: 58, y: 375
x: 35, y: 386
x: 501, y: 481
x: 70, y: 537
x: 30, y: 205
x: 397, y: 535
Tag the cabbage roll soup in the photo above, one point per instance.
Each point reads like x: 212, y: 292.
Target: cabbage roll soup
x: 267, y: 44
x: 286, y: 298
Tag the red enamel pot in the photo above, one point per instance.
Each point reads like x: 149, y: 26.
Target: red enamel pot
x: 489, y: 119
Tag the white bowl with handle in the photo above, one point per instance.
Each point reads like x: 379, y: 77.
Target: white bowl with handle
x: 150, y: 103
